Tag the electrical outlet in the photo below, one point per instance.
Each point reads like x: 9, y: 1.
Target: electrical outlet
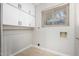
x: 38, y: 44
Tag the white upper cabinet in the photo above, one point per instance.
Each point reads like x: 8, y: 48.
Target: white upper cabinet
x: 26, y: 20
x: 29, y: 8
x: 10, y: 15
x: 32, y: 21
x: 14, y: 4
x: 23, y: 16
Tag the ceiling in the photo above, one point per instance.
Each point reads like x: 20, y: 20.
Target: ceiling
x: 36, y: 4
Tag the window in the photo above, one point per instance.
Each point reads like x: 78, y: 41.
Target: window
x: 58, y: 16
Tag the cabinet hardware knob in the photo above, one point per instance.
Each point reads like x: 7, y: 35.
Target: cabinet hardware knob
x: 19, y: 6
x: 19, y: 22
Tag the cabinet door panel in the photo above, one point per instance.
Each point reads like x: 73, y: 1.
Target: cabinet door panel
x: 13, y: 16
x: 29, y: 8
x: 26, y: 19
x: 32, y: 8
x: 23, y: 17
x: 32, y: 21
x: 14, y: 4
x: 10, y: 15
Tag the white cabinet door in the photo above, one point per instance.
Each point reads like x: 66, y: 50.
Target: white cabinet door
x: 10, y: 15
x: 32, y: 8
x: 23, y: 18
x: 32, y: 21
x: 29, y: 8
x: 26, y: 19
x: 14, y: 16
x: 14, y: 4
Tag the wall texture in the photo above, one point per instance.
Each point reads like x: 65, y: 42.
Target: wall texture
x: 49, y: 37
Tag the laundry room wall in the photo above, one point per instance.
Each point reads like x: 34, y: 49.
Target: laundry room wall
x: 49, y: 37
x: 16, y: 40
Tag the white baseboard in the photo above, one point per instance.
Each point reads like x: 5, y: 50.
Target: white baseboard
x: 51, y: 51
x: 45, y: 49
x: 21, y: 50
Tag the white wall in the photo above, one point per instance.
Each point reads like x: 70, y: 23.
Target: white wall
x: 0, y: 29
x: 77, y: 19
x: 15, y: 40
x: 49, y: 37
x: 77, y: 30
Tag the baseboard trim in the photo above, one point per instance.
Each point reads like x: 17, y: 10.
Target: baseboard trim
x: 51, y: 51
x: 41, y: 48
x: 21, y: 50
